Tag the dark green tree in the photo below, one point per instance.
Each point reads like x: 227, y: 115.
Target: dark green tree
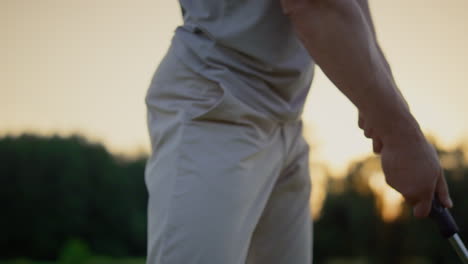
x: 54, y: 189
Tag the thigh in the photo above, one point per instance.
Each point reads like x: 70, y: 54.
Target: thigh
x: 284, y: 232
x: 207, y: 195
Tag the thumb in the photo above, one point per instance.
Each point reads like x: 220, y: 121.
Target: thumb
x: 422, y: 208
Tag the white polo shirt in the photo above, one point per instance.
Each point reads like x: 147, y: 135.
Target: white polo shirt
x: 249, y: 48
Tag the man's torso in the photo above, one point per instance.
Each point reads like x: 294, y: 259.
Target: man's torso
x: 250, y: 49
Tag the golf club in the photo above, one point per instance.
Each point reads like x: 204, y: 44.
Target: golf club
x: 448, y: 228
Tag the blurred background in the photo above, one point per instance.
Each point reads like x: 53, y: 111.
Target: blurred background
x: 73, y: 138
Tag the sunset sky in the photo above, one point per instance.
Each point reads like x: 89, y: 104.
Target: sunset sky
x: 84, y: 66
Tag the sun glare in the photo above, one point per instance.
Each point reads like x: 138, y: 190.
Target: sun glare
x: 388, y: 199
x: 319, y: 186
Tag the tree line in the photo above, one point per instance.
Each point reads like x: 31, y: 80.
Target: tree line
x: 59, y: 189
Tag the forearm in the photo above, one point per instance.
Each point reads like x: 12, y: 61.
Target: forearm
x: 339, y: 38
x: 364, y: 5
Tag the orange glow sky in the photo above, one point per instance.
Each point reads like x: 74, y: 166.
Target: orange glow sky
x: 84, y: 66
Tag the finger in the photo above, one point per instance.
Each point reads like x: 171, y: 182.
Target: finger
x: 368, y: 133
x: 360, y: 122
x: 443, y: 192
x: 422, y: 208
x: 377, y: 145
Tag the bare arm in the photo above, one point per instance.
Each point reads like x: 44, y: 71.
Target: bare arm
x: 364, y: 5
x: 339, y: 35
x: 368, y: 132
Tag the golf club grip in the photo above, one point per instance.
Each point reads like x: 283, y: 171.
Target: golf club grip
x: 444, y: 219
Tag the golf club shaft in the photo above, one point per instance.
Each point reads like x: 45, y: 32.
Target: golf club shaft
x: 459, y: 247
x: 448, y: 228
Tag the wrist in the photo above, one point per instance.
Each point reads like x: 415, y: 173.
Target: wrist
x: 404, y: 129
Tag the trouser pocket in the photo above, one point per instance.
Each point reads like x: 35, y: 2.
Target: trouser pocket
x: 176, y: 89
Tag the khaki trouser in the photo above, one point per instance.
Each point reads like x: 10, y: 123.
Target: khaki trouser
x: 226, y: 183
